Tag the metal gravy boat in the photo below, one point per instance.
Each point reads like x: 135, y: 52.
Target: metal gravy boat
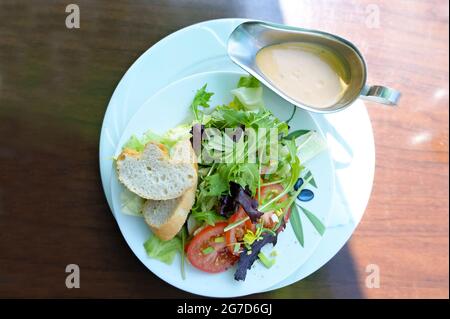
x: 250, y: 37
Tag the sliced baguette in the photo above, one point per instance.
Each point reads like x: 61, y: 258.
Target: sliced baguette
x: 153, y: 174
x: 166, y: 217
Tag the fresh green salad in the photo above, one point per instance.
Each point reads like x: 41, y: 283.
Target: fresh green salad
x: 250, y: 174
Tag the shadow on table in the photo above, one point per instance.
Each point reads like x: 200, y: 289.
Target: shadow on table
x: 337, y: 279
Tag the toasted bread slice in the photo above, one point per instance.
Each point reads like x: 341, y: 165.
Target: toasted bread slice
x: 153, y: 174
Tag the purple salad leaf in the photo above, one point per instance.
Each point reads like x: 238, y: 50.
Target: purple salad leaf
x: 237, y: 133
x: 247, y: 259
x: 239, y: 195
x: 227, y: 206
x: 196, y: 139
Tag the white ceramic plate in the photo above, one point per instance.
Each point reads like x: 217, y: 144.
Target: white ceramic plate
x: 349, y: 133
x: 169, y: 108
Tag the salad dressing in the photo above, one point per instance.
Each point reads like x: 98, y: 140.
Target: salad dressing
x: 308, y: 73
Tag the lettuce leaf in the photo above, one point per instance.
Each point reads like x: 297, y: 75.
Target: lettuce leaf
x: 250, y: 99
x: 248, y: 82
x: 248, y: 95
x: 201, y: 98
x: 310, y: 145
x: 209, y: 217
x: 225, y: 117
x: 163, y: 250
x: 244, y: 174
x: 169, y: 139
x: 132, y: 204
x: 135, y: 144
x: 294, y: 174
x: 215, y: 185
x: 176, y: 134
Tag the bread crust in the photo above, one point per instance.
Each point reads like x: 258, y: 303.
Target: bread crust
x: 172, y: 226
x: 165, y: 156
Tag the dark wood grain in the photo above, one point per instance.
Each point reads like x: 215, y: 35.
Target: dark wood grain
x: 55, y: 84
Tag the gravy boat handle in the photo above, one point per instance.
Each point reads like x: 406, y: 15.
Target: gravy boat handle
x: 380, y: 94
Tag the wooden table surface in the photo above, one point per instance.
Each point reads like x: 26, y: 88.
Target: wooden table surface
x: 55, y: 84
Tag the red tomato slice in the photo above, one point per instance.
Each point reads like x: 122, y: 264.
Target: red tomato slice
x: 208, y: 254
x: 235, y: 234
x: 273, y: 190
